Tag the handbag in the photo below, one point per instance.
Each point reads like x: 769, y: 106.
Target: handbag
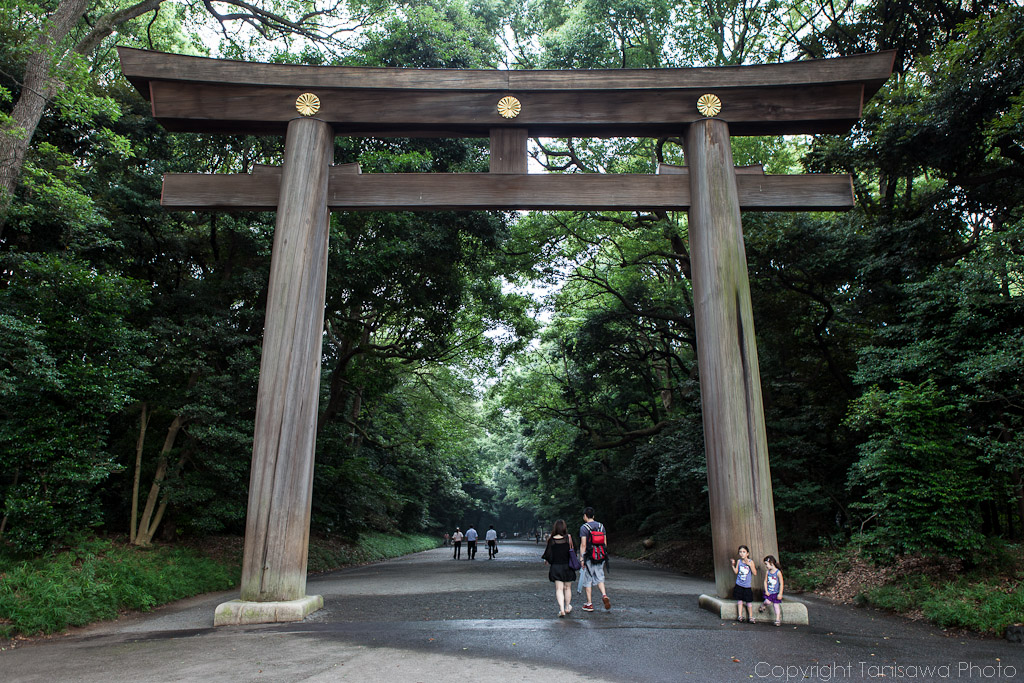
x: 574, y: 562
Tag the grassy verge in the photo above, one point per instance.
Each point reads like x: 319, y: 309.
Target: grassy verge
x: 326, y: 554
x: 986, y: 598
x: 983, y: 605
x: 99, y: 578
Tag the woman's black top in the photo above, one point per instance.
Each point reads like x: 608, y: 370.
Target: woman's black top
x: 557, y: 551
x: 557, y: 555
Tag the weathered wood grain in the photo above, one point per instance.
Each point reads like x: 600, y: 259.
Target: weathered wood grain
x: 281, y: 479
x: 142, y: 66
x: 753, y: 169
x: 183, y: 106
x: 739, y: 480
x: 482, y: 191
x: 204, y: 95
x: 508, y: 150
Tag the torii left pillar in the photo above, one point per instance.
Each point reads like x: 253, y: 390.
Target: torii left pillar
x: 281, y: 482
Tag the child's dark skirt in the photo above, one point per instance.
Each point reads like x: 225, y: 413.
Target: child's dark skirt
x: 742, y: 594
x: 773, y: 598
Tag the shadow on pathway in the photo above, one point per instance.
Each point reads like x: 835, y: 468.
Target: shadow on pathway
x: 427, y: 617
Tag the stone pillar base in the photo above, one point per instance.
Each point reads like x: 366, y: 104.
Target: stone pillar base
x: 793, y: 612
x: 238, y: 612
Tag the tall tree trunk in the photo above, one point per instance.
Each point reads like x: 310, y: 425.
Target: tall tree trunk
x: 3, y: 522
x: 159, y: 516
x: 42, y: 81
x: 146, y: 525
x: 1018, y: 489
x: 40, y: 84
x: 143, y: 423
x: 355, y: 438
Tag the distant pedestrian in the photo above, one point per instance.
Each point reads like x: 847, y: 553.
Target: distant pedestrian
x: 447, y: 539
x: 471, y: 537
x: 492, y: 542
x: 556, y: 555
x: 538, y: 536
x: 457, y: 542
x: 593, y: 556
x: 774, y: 586
x: 745, y: 571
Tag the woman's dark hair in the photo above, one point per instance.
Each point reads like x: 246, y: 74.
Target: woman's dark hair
x: 557, y: 529
x: 771, y: 558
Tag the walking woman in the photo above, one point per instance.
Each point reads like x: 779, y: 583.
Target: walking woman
x: 556, y: 554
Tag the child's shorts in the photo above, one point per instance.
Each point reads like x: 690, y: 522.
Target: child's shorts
x: 742, y: 594
x: 773, y: 598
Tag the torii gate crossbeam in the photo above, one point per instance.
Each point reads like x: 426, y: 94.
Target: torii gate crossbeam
x: 703, y: 106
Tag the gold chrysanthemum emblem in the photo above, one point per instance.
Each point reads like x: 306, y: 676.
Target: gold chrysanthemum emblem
x: 509, y: 107
x: 307, y: 104
x: 709, y: 105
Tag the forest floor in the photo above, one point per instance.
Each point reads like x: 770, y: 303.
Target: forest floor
x: 689, y: 556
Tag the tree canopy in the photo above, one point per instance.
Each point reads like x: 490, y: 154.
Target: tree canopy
x: 506, y: 367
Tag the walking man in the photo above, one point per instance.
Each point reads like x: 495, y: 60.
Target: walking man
x: 457, y: 542
x: 471, y: 537
x: 492, y: 542
x: 593, y: 555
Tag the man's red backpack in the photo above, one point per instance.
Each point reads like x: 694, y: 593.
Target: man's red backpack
x: 596, y: 550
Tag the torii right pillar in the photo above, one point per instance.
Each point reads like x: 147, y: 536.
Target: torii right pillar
x: 739, y: 479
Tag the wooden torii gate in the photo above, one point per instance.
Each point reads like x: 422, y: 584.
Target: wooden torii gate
x: 310, y: 105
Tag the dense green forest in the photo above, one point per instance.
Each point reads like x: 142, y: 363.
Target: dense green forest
x: 507, y: 367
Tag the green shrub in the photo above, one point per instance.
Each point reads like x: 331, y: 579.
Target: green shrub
x: 904, y: 596
x: 915, y: 468
x: 73, y: 359
x: 988, y: 606
x: 815, y: 569
x: 95, y: 580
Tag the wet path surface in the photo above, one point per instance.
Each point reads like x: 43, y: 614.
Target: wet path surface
x: 427, y: 617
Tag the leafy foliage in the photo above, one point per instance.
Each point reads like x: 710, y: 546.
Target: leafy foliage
x: 517, y: 367
x: 97, y: 579
x: 921, y: 488
x: 82, y: 363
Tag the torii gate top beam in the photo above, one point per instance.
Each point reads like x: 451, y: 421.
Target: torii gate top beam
x: 197, y: 94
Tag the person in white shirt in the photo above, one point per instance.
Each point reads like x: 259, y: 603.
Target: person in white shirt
x: 492, y: 542
x: 457, y: 542
x: 471, y: 537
